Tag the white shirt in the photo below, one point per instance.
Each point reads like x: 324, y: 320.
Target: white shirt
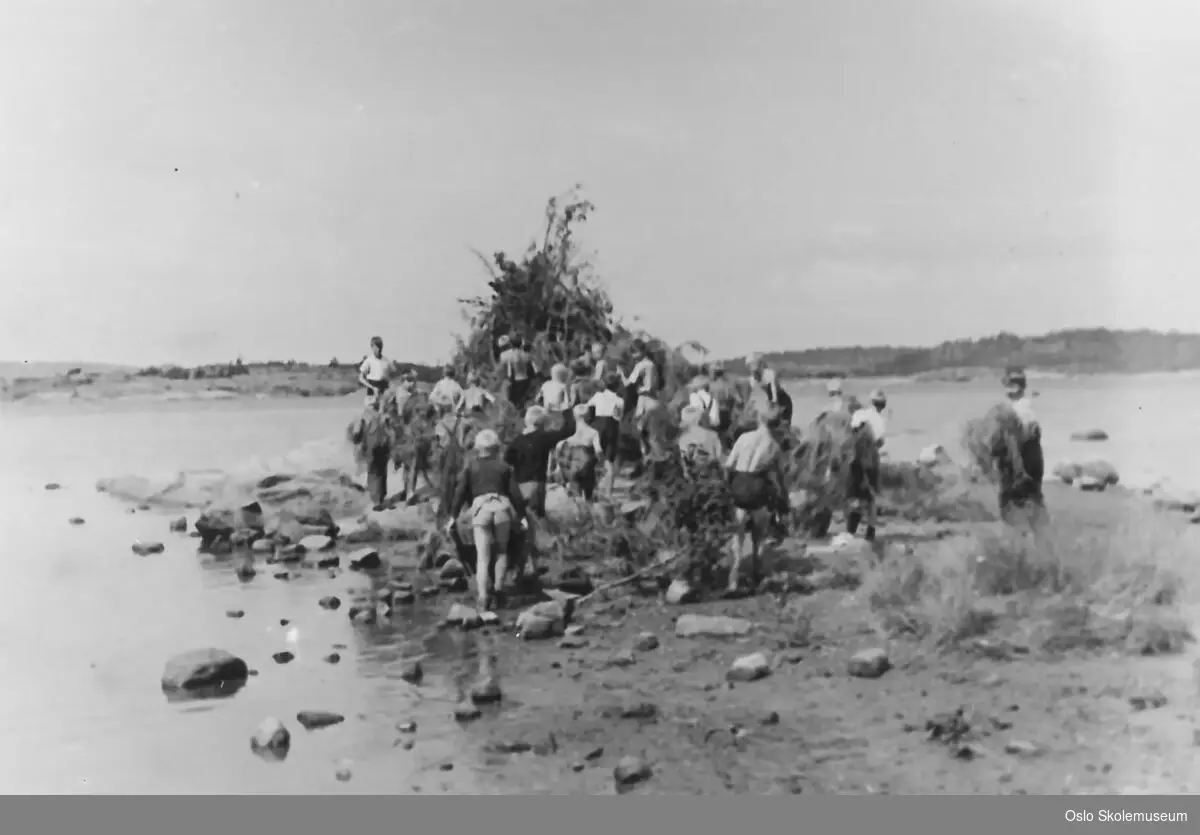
x: 555, y: 395
x: 607, y: 404
x: 707, y: 404
x: 446, y: 391
x: 872, y: 418
x: 643, y: 375
x: 1024, y: 409
x: 375, y: 368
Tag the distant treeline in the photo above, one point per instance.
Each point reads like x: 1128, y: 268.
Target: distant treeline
x: 332, y: 369
x: 1082, y: 351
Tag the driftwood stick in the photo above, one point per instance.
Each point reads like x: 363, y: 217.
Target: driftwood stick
x: 658, y: 566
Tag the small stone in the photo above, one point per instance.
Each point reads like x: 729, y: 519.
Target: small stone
x: 404, y: 744
x: 329, y: 602
x: 486, y: 691
x: 144, y: 549
x: 489, y: 619
x: 452, y: 569
x: 1021, y: 748
x: 332, y: 658
x: 75, y: 520
x: 329, y: 561
x: 179, y: 525
x: 622, y: 658
x: 573, y: 642
x: 53, y: 485
x: 631, y: 770
x: 234, y: 613
x: 869, y: 663
x: 645, y: 642
x: 640, y: 710
x: 283, y: 657
x: 594, y: 754
x: 466, y: 712
x: 403, y: 598
x: 365, y: 559
x: 543, y: 620
x: 315, y: 543
x: 463, y: 616
x: 1148, y: 701
x: 712, y: 626
x: 681, y: 591
x: 406, y: 727
x: 271, y: 740
x: 282, y: 575
x: 771, y: 718
x: 204, y: 672
x: 430, y: 591
x: 315, y: 719
x: 284, y: 621
x: 343, y: 774
x: 749, y: 668
x: 411, y: 671
x: 573, y: 630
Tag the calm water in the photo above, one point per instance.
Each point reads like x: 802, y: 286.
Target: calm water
x: 87, y: 626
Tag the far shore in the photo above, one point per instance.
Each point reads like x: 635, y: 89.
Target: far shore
x: 341, y: 382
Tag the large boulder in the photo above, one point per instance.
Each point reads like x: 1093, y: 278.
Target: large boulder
x: 204, y: 673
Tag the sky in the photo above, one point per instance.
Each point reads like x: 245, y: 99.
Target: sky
x: 195, y: 180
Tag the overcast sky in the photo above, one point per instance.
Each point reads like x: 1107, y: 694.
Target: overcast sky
x: 190, y: 180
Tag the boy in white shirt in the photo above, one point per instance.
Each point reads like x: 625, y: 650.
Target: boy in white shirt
x: 447, y: 393
x: 375, y: 371
x: 607, y: 408
x: 555, y: 395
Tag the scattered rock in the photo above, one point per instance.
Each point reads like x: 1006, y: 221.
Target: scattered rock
x: 573, y: 642
x: 621, y: 658
x: 284, y: 657
x: 869, y: 663
x: 262, y: 546
x: 343, y: 774
x: 1090, y: 435
x: 332, y: 658
x: 1090, y: 484
x: 234, y: 613
x: 645, y: 642
x: 771, y: 718
x: 144, y: 549
x: 452, y: 569
x: 365, y: 559
x: 1021, y: 748
x: 53, y: 485
x: 404, y: 598
x: 543, y: 620
x: 463, y: 616
x: 631, y: 770
x: 316, y: 542
x: 314, y: 719
x: 75, y: 520
x: 411, y: 671
x: 330, y: 602
x: 406, y: 727
x: 204, y: 673
x: 179, y: 525
x: 486, y: 691
x: 271, y: 740
x: 681, y: 591
x: 749, y: 668
x: 466, y: 712
x: 1148, y: 701
x: 282, y: 575
x: 329, y: 561
x: 712, y: 626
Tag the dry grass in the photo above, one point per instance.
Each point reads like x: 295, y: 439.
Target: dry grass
x: 1108, y: 570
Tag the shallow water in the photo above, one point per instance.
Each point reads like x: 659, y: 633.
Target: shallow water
x: 87, y: 625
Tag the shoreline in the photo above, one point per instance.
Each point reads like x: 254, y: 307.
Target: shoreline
x: 334, y: 384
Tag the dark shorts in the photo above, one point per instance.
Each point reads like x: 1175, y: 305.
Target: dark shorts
x: 751, y: 491
x: 610, y: 436
x: 518, y: 391
x: 862, y: 482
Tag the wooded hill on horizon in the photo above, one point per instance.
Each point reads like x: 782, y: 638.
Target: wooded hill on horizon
x: 1075, y: 351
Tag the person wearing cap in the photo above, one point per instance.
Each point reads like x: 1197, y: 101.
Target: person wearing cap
x: 837, y: 400
x: 728, y: 398
x: 576, y: 457
x: 375, y: 371
x: 517, y: 368
x: 701, y: 398
x: 867, y: 427
x: 1020, y: 476
x: 606, y: 408
x: 447, y: 393
x: 757, y: 482
x: 488, y: 486
x: 699, y: 444
x: 555, y: 394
